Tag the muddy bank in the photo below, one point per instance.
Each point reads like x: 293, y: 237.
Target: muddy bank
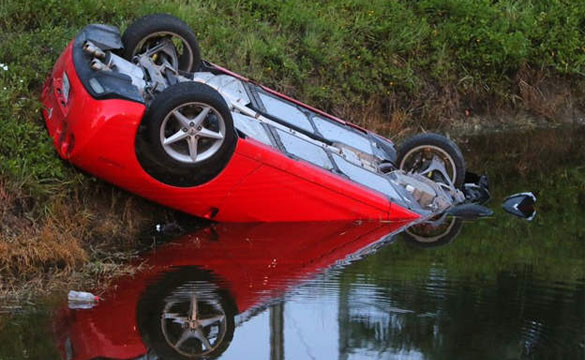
x: 514, y: 122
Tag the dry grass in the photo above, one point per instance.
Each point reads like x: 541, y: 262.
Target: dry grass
x: 55, y: 243
x: 541, y: 101
x: 529, y: 153
x: 543, y: 97
x: 77, y: 240
x: 379, y: 115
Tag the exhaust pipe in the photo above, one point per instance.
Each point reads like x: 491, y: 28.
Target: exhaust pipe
x: 93, y: 50
x: 97, y: 65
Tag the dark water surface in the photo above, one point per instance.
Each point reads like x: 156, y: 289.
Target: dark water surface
x: 496, y: 288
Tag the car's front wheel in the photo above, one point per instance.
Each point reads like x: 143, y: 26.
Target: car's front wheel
x: 434, y: 232
x: 434, y: 156
x: 188, y: 135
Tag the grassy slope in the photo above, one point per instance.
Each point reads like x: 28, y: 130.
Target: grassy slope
x: 391, y: 65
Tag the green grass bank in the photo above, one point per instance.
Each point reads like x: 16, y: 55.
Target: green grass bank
x: 393, y: 66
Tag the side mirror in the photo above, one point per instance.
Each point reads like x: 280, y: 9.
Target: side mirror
x: 521, y: 205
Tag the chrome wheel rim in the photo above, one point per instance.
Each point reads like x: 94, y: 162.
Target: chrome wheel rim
x: 192, y: 132
x: 418, y: 158
x: 182, y: 48
x: 193, y: 322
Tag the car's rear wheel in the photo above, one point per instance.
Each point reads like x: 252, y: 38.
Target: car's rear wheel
x: 188, y: 135
x: 418, y: 153
x: 150, y: 34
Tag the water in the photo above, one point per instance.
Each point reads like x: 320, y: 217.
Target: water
x: 496, y: 288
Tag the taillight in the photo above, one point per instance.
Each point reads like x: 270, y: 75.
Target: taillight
x: 65, y: 88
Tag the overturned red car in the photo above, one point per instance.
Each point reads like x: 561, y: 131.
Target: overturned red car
x: 143, y: 111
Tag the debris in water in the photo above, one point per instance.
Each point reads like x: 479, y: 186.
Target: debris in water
x: 171, y: 229
x: 82, y: 299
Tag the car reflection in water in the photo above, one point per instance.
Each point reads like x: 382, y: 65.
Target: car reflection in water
x: 192, y: 292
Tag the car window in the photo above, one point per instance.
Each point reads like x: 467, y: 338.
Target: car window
x: 365, y: 177
x: 339, y: 133
x: 285, y: 111
x: 304, y: 150
x: 251, y: 127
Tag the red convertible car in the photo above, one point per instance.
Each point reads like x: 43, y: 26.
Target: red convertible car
x: 144, y: 112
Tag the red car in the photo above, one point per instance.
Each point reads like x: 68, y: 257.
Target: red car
x: 144, y: 112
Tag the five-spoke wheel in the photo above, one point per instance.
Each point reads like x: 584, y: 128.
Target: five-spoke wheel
x: 192, y: 132
x: 188, y: 135
x: 193, y: 321
x: 186, y: 314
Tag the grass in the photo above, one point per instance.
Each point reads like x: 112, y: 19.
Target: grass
x: 393, y: 66
x: 78, y: 236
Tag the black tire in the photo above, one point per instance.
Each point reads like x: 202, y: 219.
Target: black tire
x: 174, y: 291
x: 172, y: 164
x: 146, y: 28
x: 430, y: 235
x: 447, y: 149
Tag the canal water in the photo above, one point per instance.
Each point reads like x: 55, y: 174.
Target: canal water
x: 494, y: 288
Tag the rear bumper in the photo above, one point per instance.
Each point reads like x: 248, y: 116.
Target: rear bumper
x: 72, y: 122
x: 55, y: 109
